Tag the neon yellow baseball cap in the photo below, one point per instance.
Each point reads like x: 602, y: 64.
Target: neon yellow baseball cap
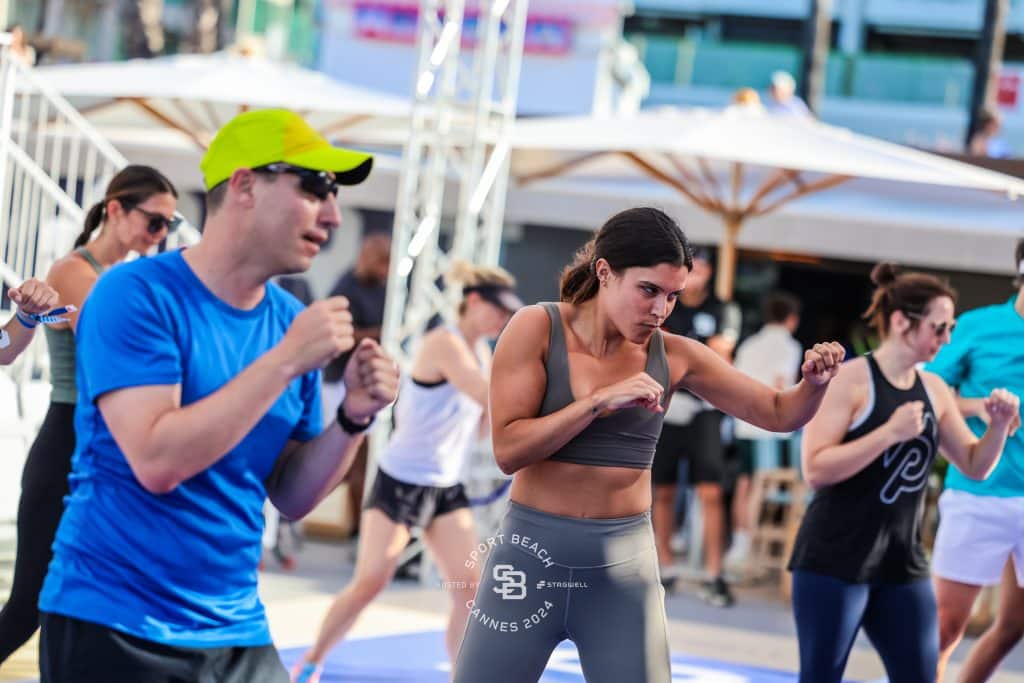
x: 267, y: 136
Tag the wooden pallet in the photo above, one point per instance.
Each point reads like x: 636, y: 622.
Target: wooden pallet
x: 778, y: 500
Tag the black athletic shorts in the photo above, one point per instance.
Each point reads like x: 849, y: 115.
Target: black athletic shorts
x: 75, y: 651
x: 700, y: 441
x: 412, y: 505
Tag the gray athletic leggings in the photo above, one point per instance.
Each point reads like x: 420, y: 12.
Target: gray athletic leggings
x: 548, y: 578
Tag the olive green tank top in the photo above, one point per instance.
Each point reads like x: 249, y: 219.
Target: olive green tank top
x: 61, y: 346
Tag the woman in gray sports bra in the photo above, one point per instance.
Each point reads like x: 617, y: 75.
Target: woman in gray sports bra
x: 134, y: 215
x: 578, y: 391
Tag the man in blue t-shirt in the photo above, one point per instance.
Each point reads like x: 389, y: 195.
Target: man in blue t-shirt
x: 981, y: 528
x: 199, y: 398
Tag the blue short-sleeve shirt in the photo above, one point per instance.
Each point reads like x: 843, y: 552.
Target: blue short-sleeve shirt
x: 986, y: 353
x: 178, y: 568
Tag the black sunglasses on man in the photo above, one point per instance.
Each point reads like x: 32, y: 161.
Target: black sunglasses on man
x: 320, y: 184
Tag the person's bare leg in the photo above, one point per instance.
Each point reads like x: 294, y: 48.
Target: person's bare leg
x: 663, y: 518
x: 713, y: 511
x: 380, y: 544
x: 1001, y: 636
x: 742, y: 515
x: 451, y: 538
x: 955, y: 601
x: 355, y: 479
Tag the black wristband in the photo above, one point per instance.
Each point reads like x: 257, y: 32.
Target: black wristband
x: 347, y: 425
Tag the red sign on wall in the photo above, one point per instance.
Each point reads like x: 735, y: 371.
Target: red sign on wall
x: 1008, y: 89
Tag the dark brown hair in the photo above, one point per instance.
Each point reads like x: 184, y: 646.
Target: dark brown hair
x: 131, y: 186
x: 909, y: 292
x: 215, y: 197
x: 780, y: 305
x: 640, y: 237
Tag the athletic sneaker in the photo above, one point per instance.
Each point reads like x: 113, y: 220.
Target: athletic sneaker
x: 306, y: 672
x: 716, y: 592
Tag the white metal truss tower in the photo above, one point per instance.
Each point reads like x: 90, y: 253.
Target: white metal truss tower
x: 463, y: 110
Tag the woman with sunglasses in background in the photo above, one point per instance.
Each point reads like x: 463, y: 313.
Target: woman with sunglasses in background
x: 868, y: 452
x: 136, y: 214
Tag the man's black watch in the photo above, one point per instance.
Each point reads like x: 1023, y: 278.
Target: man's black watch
x: 347, y: 425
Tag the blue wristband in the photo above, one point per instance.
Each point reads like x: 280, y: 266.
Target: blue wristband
x: 55, y: 316
x: 25, y: 320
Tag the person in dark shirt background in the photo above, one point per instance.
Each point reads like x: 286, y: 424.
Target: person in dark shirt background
x: 693, y: 429
x: 365, y: 287
x: 297, y: 286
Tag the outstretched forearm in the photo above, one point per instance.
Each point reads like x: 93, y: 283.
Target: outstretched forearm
x: 307, y: 472
x: 17, y: 337
x: 793, y: 407
x: 526, y: 441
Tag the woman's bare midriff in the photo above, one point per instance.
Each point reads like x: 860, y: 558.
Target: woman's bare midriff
x: 585, y: 491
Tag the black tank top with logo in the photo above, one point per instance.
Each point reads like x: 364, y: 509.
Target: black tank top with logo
x: 867, y: 529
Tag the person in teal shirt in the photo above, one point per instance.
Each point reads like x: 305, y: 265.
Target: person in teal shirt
x: 981, y: 529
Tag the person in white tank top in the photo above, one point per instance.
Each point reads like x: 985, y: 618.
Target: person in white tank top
x: 440, y: 412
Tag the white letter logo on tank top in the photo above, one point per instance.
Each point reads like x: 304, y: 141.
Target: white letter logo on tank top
x: 913, y: 463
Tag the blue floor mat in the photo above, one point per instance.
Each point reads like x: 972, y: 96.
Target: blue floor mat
x: 420, y: 658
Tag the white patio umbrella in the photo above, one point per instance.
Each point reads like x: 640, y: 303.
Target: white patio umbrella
x: 736, y: 164
x: 194, y: 95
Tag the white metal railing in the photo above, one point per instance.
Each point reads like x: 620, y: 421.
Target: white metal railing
x: 52, y: 163
x: 463, y: 109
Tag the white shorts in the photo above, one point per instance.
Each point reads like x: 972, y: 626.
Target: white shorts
x: 976, y: 535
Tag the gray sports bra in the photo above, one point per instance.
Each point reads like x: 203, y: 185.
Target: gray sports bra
x: 625, y: 438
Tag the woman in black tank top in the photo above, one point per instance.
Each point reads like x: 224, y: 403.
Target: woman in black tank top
x: 577, y: 395
x: 858, y: 558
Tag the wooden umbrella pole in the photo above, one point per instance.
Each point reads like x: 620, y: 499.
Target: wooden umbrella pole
x: 726, y: 276
x: 737, y: 184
